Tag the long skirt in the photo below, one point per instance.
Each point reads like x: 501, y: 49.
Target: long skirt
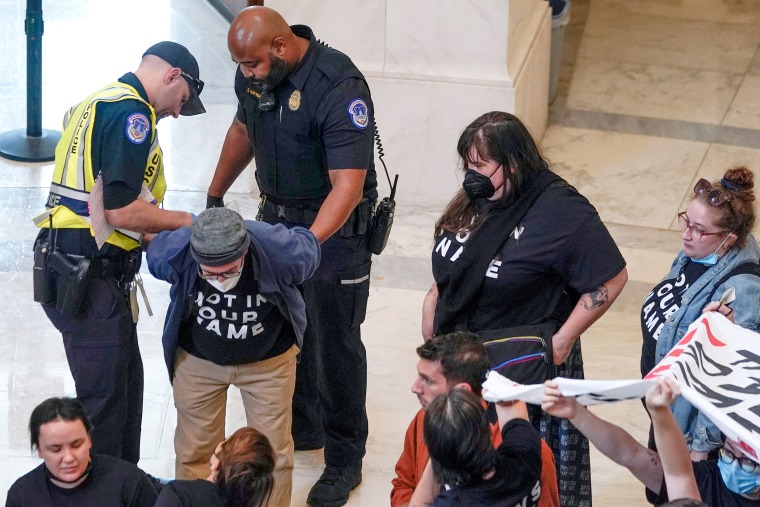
x: 570, y: 447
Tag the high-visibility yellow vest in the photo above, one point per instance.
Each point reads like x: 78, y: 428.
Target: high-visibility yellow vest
x: 73, y: 178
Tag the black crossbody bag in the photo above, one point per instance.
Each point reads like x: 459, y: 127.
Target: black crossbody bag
x: 521, y: 353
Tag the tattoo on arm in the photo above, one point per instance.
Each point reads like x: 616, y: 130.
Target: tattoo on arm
x: 595, y: 298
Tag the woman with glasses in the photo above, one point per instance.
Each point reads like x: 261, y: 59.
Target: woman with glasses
x: 518, y: 246
x: 716, y: 238
x: 241, y: 476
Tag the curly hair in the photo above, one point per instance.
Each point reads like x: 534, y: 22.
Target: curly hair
x: 737, y: 214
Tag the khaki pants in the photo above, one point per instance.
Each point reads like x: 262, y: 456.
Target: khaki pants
x: 200, y: 396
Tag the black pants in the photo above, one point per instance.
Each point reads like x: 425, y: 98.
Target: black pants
x: 331, y: 375
x: 104, y: 358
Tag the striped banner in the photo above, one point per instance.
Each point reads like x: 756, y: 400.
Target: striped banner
x: 716, y: 364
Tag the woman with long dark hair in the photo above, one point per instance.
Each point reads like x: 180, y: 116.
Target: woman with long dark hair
x: 518, y: 246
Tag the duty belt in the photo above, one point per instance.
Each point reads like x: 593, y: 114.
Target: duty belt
x: 297, y: 215
x: 122, y: 268
x: 356, y: 224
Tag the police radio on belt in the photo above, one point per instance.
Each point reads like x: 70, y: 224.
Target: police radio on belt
x: 382, y: 219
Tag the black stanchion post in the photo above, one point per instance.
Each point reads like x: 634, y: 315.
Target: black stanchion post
x: 33, y: 144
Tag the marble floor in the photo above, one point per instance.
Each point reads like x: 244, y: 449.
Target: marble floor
x: 653, y: 95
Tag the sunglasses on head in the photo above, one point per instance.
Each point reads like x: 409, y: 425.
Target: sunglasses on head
x: 197, y: 83
x: 715, y: 197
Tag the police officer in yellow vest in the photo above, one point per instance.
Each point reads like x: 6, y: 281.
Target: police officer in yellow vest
x: 107, y: 185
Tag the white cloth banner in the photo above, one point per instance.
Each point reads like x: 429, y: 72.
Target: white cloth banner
x: 716, y: 364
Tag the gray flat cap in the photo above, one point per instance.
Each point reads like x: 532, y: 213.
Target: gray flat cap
x: 218, y: 237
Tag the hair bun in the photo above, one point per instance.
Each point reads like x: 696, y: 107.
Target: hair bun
x: 741, y: 177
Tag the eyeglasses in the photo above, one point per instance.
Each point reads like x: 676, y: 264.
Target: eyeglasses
x: 745, y: 463
x: 696, y: 232
x: 197, y: 83
x: 213, y: 276
x: 714, y: 197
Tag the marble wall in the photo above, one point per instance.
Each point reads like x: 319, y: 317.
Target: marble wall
x: 433, y: 66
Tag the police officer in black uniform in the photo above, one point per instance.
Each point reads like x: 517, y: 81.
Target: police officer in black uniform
x: 306, y: 116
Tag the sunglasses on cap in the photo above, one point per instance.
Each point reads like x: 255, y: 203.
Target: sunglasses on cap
x: 196, y: 83
x: 715, y: 197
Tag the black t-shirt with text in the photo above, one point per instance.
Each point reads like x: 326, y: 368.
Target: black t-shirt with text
x: 561, y: 241
x: 660, y: 305
x: 235, y: 327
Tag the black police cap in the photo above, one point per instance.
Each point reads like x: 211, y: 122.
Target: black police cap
x: 178, y: 56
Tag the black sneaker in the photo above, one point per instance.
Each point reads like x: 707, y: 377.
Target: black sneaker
x: 334, y: 486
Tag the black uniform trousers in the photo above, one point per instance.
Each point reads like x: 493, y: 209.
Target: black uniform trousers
x: 329, y: 402
x: 104, y: 359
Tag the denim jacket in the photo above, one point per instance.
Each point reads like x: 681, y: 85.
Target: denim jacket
x: 701, y: 434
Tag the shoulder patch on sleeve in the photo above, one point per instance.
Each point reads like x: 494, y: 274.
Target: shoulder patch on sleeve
x: 358, y: 112
x: 138, y: 128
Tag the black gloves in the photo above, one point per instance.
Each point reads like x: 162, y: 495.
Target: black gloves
x: 214, y: 202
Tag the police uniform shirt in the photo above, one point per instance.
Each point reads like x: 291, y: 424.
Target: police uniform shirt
x: 120, y: 158
x: 337, y: 127
x: 235, y: 327
x: 660, y: 304
x: 560, y: 240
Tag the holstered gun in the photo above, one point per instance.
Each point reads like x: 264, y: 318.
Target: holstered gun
x: 74, y: 279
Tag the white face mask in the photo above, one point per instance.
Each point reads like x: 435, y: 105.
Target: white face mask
x: 225, y: 285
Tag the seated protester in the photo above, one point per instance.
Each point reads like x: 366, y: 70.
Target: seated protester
x: 463, y: 460
x: 453, y: 361
x: 70, y: 475
x: 730, y: 481
x: 241, y: 476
